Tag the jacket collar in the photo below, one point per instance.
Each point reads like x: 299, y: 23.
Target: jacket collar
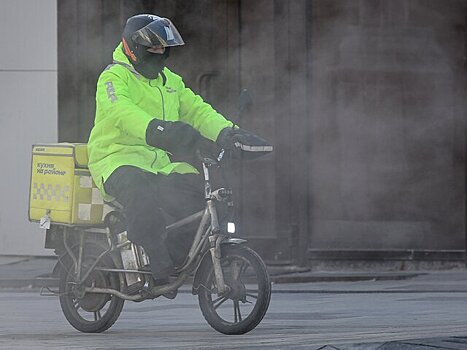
x: 120, y: 58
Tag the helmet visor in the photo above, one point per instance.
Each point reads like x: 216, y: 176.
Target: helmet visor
x: 160, y: 32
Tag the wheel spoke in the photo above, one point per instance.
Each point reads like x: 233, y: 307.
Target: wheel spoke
x: 97, y: 315
x: 219, y: 303
x: 239, y: 267
x: 215, y: 301
x: 251, y: 295
x: 237, y: 314
x: 244, y: 267
x: 76, y: 304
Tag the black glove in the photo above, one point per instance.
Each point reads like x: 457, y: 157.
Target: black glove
x: 243, y: 144
x: 207, y: 148
x: 180, y: 139
x: 176, y: 137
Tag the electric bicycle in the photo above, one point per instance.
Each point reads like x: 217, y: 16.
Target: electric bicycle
x: 98, y: 265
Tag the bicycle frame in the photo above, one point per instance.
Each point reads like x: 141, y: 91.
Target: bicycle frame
x: 208, y: 237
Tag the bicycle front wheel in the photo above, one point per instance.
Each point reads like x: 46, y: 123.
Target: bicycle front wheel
x: 244, y: 305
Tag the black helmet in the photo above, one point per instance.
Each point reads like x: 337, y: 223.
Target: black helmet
x: 145, y: 31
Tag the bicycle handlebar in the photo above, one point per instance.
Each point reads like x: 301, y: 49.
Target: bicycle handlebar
x: 209, y: 161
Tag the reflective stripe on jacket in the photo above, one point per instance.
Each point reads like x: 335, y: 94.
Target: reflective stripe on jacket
x: 125, y: 104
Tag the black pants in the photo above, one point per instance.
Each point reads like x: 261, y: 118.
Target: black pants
x: 147, y: 199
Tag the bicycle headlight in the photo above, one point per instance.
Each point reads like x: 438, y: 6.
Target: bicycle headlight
x: 231, y: 227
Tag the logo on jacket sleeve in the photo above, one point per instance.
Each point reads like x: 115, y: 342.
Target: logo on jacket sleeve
x: 111, y: 91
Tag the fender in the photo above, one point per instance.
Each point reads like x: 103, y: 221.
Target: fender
x: 206, y: 261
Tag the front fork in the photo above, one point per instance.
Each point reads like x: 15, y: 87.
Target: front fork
x: 215, y: 240
x: 216, y: 255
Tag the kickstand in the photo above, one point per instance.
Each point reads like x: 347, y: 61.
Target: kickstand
x: 47, y: 292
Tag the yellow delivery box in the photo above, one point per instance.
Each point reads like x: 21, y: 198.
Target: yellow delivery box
x: 62, y: 190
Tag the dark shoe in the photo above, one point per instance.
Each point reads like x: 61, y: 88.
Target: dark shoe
x: 171, y: 295
x: 135, y: 288
x: 163, y: 281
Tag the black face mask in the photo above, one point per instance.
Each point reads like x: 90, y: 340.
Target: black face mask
x: 151, y: 64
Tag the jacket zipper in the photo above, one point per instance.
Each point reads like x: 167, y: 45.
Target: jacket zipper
x: 163, y: 104
x: 163, y: 117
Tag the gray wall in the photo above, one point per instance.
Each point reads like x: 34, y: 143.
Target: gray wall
x: 363, y: 99
x: 388, y: 156
x: 28, y: 112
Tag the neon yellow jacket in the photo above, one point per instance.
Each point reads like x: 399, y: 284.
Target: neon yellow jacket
x: 125, y: 104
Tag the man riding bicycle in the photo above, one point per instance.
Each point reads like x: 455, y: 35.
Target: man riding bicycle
x: 145, y: 118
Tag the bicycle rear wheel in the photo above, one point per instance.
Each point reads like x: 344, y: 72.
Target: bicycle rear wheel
x: 90, y: 312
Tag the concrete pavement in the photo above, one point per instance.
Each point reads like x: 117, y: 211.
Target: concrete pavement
x: 328, y: 310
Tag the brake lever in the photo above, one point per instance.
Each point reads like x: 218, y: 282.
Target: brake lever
x: 206, y: 160
x: 221, y: 155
